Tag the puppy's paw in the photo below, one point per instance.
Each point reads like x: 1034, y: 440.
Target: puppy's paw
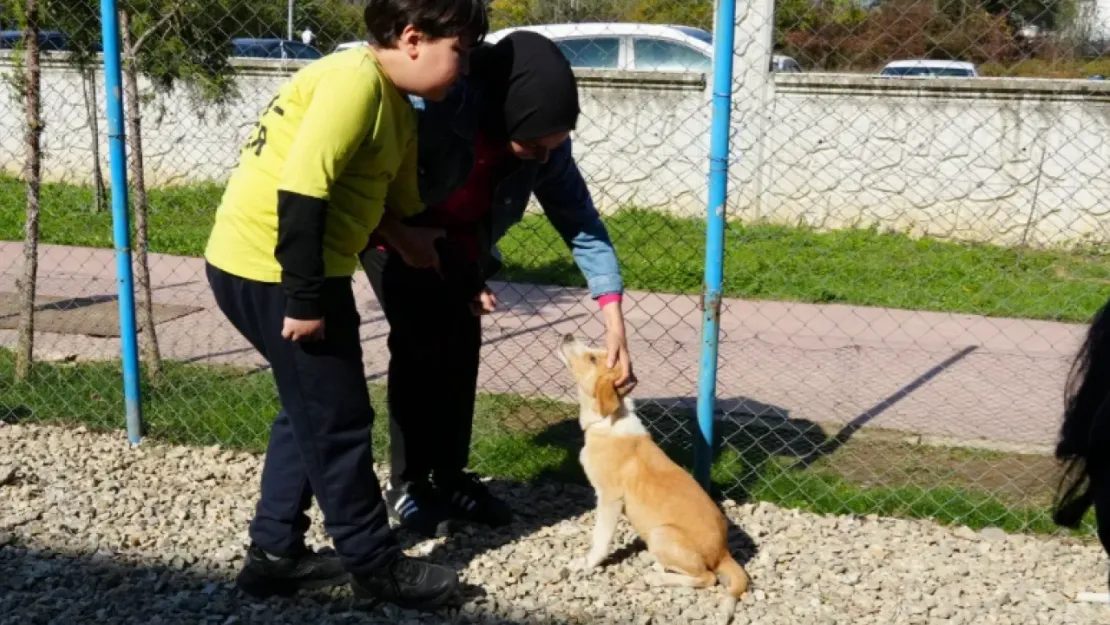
x: 656, y: 580
x: 593, y: 560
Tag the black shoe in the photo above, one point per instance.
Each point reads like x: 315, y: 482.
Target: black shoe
x: 467, y: 499
x: 265, y: 576
x: 416, y: 507
x: 408, y: 583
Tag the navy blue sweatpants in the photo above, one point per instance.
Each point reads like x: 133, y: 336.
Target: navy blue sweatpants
x: 320, y: 441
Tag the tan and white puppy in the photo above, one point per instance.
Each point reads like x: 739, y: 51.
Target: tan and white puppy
x: 684, y: 530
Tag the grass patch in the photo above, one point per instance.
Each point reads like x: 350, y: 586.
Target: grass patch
x: 528, y: 440
x: 180, y: 217
x: 860, y: 266
x: 665, y: 254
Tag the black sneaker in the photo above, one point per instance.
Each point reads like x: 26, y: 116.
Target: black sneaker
x: 264, y: 575
x: 408, y: 583
x: 416, y: 507
x: 467, y: 499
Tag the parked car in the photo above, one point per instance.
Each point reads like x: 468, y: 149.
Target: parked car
x: 632, y: 46
x: 49, y: 40
x: 785, y: 64
x: 251, y: 48
x: 349, y: 44
x: 929, y: 68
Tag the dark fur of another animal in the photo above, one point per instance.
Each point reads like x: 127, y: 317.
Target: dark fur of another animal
x: 1084, y: 444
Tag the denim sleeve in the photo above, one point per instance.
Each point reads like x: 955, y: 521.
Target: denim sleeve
x: 565, y: 199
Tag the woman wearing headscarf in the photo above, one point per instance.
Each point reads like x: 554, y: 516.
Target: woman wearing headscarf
x: 500, y: 137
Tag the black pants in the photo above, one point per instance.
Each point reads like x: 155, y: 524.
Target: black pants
x: 320, y: 441
x: 434, y: 345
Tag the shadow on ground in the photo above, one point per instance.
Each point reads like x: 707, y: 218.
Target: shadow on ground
x: 546, y: 503
x: 42, y: 586
x: 757, y: 446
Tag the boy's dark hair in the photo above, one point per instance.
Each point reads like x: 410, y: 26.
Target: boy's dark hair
x: 466, y: 19
x: 1084, y: 445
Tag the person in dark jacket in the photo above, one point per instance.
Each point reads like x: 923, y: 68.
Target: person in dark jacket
x: 501, y: 136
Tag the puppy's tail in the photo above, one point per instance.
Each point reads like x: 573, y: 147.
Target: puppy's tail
x: 736, y: 587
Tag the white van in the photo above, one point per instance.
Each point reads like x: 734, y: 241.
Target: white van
x: 929, y: 68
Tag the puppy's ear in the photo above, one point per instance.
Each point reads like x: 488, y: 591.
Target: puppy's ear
x: 605, y: 391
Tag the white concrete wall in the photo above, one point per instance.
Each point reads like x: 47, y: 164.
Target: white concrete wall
x: 989, y: 160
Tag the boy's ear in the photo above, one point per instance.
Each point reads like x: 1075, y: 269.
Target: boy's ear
x: 605, y: 392
x: 408, y: 41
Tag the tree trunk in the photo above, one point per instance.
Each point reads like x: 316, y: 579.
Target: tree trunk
x: 32, y: 82
x: 145, y: 310
x: 88, y: 80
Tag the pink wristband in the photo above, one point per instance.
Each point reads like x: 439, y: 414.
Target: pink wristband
x: 607, y: 299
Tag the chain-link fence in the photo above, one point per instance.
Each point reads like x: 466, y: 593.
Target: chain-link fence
x: 913, y: 247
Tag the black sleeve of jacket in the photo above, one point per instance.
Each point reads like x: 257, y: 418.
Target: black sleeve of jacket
x: 300, y: 252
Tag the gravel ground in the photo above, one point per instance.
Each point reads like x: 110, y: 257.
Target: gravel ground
x: 93, y: 532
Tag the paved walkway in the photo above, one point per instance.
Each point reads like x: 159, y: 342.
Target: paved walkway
x: 943, y: 375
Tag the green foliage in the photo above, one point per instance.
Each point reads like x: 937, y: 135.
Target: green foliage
x: 13, y: 17
x: 697, y: 13
x: 506, y: 13
x: 186, y: 42
x: 174, y: 44
x: 1048, y: 14
x: 843, y: 36
x: 80, y: 21
x: 201, y: 30
x: 839, y: 35
x: 832, y: 34
x: 332, y: 21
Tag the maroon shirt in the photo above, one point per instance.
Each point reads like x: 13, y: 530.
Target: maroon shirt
x: 463, y: 209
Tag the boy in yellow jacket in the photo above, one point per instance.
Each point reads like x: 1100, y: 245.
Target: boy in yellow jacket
x: 330, y: 152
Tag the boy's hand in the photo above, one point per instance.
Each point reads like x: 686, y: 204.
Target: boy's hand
x: 484, y: 303
x: 302, y: 330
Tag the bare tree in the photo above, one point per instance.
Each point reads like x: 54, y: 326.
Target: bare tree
x: 31, y: 91
x: 131, y: 49
x: 171, y: 43
x: 80, y: 21
x: 88, y: 80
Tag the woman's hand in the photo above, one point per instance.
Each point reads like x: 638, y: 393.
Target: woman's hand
x: 484, y: 303
x: 616, y: 342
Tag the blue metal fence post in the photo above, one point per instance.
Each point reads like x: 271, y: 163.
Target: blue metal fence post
x: 723, y: 39
x: 121, y: 224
